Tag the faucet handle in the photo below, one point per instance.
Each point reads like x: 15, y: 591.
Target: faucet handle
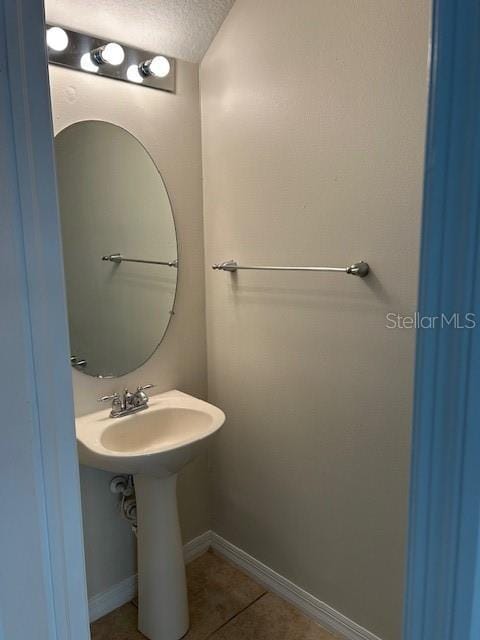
x: 140, y: 398
x: 113, y: 396
x: 145, y: 387
x: 117, y: 405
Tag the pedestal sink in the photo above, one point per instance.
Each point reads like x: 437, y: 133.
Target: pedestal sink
x: 153, y: 445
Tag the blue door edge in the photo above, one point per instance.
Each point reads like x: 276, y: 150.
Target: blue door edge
x: 443, y: 573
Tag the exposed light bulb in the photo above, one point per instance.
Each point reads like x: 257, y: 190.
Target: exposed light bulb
x: 57, y: 39
x: 87, y: 63
x: 158, y: 66
x: 111, y: 53
x: 133, y: 74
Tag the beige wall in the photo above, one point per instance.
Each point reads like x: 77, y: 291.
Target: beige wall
x: 313, y: 127
x: 169, y: 127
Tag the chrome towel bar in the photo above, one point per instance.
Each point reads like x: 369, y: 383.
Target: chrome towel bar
x: 117, y: 257
x: 360, y: 269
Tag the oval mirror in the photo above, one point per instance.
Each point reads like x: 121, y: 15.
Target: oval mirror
x: 119, y: 245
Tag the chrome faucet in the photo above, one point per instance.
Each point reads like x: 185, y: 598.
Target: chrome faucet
x: 128, y: 402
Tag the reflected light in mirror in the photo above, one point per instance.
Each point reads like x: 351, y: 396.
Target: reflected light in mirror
x: 133, y: 74
x: 87, y: 63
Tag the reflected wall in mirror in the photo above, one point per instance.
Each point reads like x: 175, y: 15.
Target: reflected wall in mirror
x: 113, y: 201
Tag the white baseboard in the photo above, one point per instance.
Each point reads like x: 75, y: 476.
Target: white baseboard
x: 197, y: 546
x: 103, y: 603
x: 314, y: 608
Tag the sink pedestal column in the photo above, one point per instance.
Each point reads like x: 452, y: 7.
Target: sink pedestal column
x: 162, y: 590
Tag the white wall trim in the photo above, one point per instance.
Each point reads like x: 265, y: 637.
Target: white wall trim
x: 116, y: 596
x: 314, y: 608
x: 197, y: 546
x: 324, y: 614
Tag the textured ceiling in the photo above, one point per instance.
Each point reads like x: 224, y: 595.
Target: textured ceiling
x: 179, y: 28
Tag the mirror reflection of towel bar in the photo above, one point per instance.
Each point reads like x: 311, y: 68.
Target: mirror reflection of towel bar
x: 360, y: 269
x: 117, y: 257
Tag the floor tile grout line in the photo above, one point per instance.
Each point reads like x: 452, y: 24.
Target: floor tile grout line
x: 224, y: 624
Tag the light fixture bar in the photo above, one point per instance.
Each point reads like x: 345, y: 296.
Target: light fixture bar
x: 79, y: 55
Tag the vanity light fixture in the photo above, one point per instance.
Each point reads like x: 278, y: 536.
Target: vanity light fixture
x: 57, y: 38
x: 110, y: 59
x: 111, y: 53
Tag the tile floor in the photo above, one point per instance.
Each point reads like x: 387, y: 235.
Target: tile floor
x: 225, y: 604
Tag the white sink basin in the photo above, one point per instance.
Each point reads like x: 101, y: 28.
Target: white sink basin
x: 153, y: 445
x: 157, y: 441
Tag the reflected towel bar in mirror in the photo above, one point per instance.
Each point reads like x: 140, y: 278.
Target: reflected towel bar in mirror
x: 360, y: 269
x: 117, y: 257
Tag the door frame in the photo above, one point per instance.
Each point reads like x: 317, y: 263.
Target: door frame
x: 42, y: 577
x: 442, y: 592
x: 443, y: 576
